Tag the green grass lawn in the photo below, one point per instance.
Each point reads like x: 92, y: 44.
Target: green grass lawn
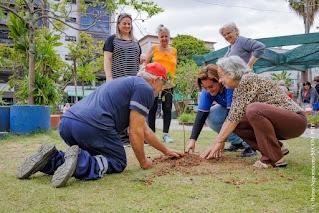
x: 269, y: 190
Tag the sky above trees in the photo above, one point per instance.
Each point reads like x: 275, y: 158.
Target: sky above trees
x: 203, y: 18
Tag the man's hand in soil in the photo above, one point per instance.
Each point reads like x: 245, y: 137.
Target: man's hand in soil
x: 216, y: 150
x: 147, y: 164
x: 191, y: 146
x: 173, y: 153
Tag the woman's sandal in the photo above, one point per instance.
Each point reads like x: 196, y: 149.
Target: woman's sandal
x: 281, y: 164
x: 262, y: 165
x: 284, y: 150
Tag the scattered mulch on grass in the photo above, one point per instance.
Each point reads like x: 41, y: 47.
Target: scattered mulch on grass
x: 146, y: 180
x: 192, y: 164
x: 289, y: 178
x: 237, y: 183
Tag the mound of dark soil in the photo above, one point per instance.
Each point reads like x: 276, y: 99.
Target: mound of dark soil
x: 192, y: 164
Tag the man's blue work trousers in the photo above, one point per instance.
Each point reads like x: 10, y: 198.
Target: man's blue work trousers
x: 101, y: 152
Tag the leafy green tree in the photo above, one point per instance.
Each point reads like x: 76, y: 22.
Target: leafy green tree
x: 13, y: 58
x: 92, y: 53
x: 32, y: 11
x: 284, y: 75
x: 65, y: 76
x: 187, y: 70
x: 46, y: 56
x: 6, y: 56
x: 84, y: 56
x: 89, y: 50
x: 99, y: 64
x: 185, y: 80
x: 2, y: 102
x: 85, y: 74
x: 19, y: 34
x: 99, y: 61
x: 75, y: 54
x: 187, y: 46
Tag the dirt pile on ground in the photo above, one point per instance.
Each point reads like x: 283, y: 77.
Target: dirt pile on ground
x: 192, y: 164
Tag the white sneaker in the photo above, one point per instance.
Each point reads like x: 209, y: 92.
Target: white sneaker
x: 167, y: 139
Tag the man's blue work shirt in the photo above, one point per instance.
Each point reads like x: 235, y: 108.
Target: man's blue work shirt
x: 109, y: 105
x: 206, y: 99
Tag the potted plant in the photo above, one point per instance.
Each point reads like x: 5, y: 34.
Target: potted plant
x: 313, y: 121
x: 25, y: 119
x: 4, y: 114
x: 44, y: 92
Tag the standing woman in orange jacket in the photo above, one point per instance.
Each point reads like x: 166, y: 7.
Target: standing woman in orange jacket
x: 167, y: 56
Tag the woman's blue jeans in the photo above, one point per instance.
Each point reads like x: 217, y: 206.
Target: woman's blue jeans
x: 215, y: 121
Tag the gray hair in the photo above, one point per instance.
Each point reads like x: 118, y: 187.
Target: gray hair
x: 118, y: 33
x: 161, y: 28
x: 148, y: 76
x: 231, y: 25
x: 281, y: 83
x: 233, y: 66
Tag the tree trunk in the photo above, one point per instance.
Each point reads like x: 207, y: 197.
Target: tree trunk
x: 45, y: 13
x: 74, y: 80
x: 186, y: 101
x: 31, y: 63
x: 306, y: 76
x: 18, y: 73
x: 83, y: 88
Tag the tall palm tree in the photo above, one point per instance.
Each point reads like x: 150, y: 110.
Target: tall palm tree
x: 300, y: 7
x: 307, y: 9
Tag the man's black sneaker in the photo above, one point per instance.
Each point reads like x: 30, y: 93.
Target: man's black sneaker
x: 248, y: 152
x: 234, y: 147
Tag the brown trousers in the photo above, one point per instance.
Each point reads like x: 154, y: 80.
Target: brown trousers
x: 264, y: 125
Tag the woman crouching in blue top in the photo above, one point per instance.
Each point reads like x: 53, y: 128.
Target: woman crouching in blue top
x: 215, y: 102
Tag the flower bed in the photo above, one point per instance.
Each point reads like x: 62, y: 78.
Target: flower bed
x: 313, y: 119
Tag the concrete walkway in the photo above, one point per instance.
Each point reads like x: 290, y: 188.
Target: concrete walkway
x: 309, y: 133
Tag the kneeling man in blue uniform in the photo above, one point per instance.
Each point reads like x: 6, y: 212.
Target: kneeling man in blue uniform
x: 91, y: 128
